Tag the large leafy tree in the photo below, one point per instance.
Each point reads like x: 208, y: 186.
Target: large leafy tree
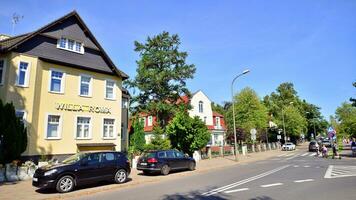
x: 137, y: 137
x: 314, y: 119
x: 295, y: 123
x: 250, y: 112
x: 161, y: 77
x: 346, y: 115
x: 13, y: 134
x: 187, y: 134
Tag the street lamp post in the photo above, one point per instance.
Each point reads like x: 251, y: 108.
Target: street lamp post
x: 233, y: 108
x: 284, y: 126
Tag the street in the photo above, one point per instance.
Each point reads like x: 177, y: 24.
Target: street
x: 290, y: 175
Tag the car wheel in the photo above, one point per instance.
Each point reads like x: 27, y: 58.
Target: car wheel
x: 120, y: 176
x: 165, y: 170
x: 65, y: 184
x: 191, y: 166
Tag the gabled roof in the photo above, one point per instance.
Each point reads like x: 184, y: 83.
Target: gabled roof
x: 11, y: 43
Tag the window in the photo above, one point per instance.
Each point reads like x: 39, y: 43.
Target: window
x: 2, y: 71
x: 108, y: 128
x: 162, y: 154
x: 179, y: 154
x: 21, y: 114
x: 23, y: 74
x: 93, y: 159
x: 217, y: 121
x: 85, y: 85
x: 56, y: 81
x: 143, y: 121
x: 53, y: 127
x: 83, y: 128
x: 110, y: 89
x: 205, y: 120
x: 149, y: 121
x: 70, y: 45
x: 107, y: 157
x: 200, y: 106
x: 125, y: 103
x: 170, y: 154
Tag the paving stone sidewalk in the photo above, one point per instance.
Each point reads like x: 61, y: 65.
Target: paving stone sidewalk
x: 24, y: 190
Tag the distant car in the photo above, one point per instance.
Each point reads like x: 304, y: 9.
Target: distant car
x: 83, y: 168
x: 164, y: 161
x: 313, y: 146
x: 326, y: 142
x: 288, y: 146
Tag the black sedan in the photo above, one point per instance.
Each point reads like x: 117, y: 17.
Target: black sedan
x: 164, y: 161
x: 83, y: 168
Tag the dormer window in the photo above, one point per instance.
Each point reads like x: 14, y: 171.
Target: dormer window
x: 201, y: 107
x: 70, y: 45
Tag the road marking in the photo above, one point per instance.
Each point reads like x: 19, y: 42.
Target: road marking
x: 313, y: 154
x: 337, y: 171
x: 306, y: 166
x: 295, y: 165
x: 305, y: 154
x: 237, y: 190
x: 292, y: 157
x: 271, y: 185
x: 305, y: 180
x: 226, y: 187
x: 282, y: 155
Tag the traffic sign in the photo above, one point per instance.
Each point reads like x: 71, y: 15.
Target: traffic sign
x: 331, y: 132
x: 279, y: 137
x: 253, y: 134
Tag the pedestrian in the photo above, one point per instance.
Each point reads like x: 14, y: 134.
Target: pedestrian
x: 324, y: 151
x: 335, y: 150
x: 353, y: 147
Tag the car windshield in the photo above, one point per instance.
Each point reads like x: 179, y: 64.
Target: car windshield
x: 74, y: 158
x: 289, y: 144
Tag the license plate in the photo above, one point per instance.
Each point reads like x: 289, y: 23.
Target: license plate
x: 35, y: 179
x: 144, y: 164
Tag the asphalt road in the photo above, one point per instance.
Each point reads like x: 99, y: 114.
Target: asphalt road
x: 291, y: 175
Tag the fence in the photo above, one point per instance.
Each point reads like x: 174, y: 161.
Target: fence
x: 219, y: 151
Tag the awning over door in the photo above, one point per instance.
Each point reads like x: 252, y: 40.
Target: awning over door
x: 96, y: 146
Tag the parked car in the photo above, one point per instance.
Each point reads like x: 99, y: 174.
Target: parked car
x: 326, y: 142
x: 288, y: 146
x: 164, y: 161
x: 83, y: 168
x: 313, y: 146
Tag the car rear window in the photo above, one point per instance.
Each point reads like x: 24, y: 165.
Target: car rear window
x: 312, y: 143
x: 162, y: 154
x: 149, y: 154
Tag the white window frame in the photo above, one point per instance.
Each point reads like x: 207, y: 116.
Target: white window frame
x: 90, y: 85
x: 149, y: 120
x: 3, y: 72
x: 67, y: 45
x: 202, y: 107
x: 24, y: 115
x: 90, y: 128
x: 62, y: 81
x: 102, y: 128
x: 114, y: 89
x: 59, y: 136
x: 27, y: 75
x: 217, y: 119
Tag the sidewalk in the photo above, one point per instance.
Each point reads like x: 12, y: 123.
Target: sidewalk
x: 24, y: 189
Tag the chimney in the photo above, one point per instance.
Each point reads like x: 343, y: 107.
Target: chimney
x: 4, y: 37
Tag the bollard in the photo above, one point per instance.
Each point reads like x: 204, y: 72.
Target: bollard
x: 253, y: 148
x: 209, y: 153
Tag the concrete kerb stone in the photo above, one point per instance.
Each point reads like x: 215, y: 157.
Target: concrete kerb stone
x: 202, y: 167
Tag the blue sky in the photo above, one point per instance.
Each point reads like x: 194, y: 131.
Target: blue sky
x: 309, y: 43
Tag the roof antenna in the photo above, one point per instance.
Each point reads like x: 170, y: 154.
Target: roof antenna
x: 15, y: 20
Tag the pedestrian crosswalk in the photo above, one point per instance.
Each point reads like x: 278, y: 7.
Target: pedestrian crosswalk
x: 308, y: 154
x: 337, y: 171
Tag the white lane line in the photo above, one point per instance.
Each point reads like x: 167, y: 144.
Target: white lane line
x: 295, y: 165
x: 292, y: 157
x: 328, y: 171
x: 305, y: 180
x: 282, y: 155
x: 306, y: 166
x: 237, y: 190
x: 313, y: 154
x: 271, y: 185
x: 305, y: 154
x: 226, y: 187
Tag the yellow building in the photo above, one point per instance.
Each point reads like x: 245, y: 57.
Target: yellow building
x: 65, y: 88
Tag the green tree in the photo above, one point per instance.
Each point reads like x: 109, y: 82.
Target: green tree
x: 187, y: 134
x: 353, y: 100
x: 137, y: 137
x: 295, y: 123
x: 161, y: 76
x: 346, y: 115
x: 314, y: 118
x: 250, y: 112
x: 12, y: 133
x: 159, y: 141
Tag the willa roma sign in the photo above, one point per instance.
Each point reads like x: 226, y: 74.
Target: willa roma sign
x: 82, y: 108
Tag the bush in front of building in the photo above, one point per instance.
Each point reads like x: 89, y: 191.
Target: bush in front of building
x: 159, y: 141
x: 137, y: 138
x: 13, y: 134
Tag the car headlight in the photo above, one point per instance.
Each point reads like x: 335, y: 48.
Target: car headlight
x: 50, y: 172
